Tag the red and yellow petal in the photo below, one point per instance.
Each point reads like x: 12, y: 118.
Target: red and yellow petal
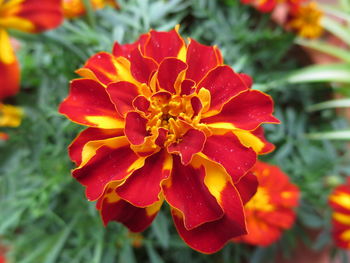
x: 141, y: 67
x: 246, y: 111
x: 136, y: 128
x: 200, y: 59
x: 212, y: 236
x: 81, y: 105
x: 105, y: 68
x: 113, y: 161
x: 113, y: 208
x: 126, y: 49
x: 143, y: 188
x: 193, y: 199
x: 31, y: 15
x: 81, y: 145
x: 227, y: 150
x: 223, y: 84
x: 161, y: 45
x: 255, y: 139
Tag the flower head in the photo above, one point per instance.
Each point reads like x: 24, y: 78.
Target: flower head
x: 168, y: 121
x: 76, y: 8
x: 306, y: 20
x: 270, y: 211
x: 340, y: 202
x: 30, y: 16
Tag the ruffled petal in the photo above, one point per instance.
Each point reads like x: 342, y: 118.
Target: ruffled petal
x: 169, y: 73
x: 81, y: 105
x: 141, y: 67
x: 113, y: 208
x: 247, y: 186
x: 200, y: 59
x: 161, y: 45
x: 247, y: 111
x: 223, y: 84
x: 122, y: 95
x: 126, y: 49
x: 185, y: 190
x: 113, y: 161
x: 191, y: 143
x: 31, y: 15
x: 227, y: 150
x: 135, y: 128
x: 142, y: 188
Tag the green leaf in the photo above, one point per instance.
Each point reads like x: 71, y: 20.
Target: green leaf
x: 322, y: 73
x: 332, y: 135
x: 332, y: 50
x: 336, y: 29
x: 160, y: 228
x: 339, y: 103
x: 152, y: 254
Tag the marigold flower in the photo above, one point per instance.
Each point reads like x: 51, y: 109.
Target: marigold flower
x: 270, y: 211
x: 306, y: 20
x: 168, y: 121
x: 76, y: 8
x: 339, y: 200
x: 30, y: 16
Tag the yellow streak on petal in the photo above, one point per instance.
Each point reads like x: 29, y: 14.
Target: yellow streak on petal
x: 90, y: 148
x: 221, y: 127
x: 105, y: 122
x: 216, y: 177
x: 341, y: 218
x: 87, y: 73
x: 342, y: 199
x: 345, y: 235
x: 7, y: 54
x: 154, y: 208
x: 10, y: 116
x: 205, y: 98
x: 124, y: 73
x: 249, y: 140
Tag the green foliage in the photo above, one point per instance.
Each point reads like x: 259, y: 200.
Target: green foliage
x: 44, y: 214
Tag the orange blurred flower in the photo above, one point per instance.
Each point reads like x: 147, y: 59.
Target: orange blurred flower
x: 168, y: 121
x: 270, y: 211
x: 340, y: 202
x: 30, y: 16
x: 76, y: 8
x: 10, y: 116
x: 305, y: 20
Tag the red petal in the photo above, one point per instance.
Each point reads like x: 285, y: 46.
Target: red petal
x: 268, y: 146
x: 9, y: 79
x: 44, y: 15
x: 247, y: 187
x: 142, y: 188
x: 212, y: 236
x: 135, y: 128
x: 122, y: 95
x: 191, y: 143
x: 187, y: 87
x: 141, y: 67
x: 88, y: 103
x: 223, y: 85
x: 200, y: 59
x: 126, y: 49
x: 141, y: 103
x: 110, y: 163
x: 90, y: 134
x: 230, y: 153
x: 185, y: 190
x: 247, y: 111
x: 168, y: 72
x: 163, y: 44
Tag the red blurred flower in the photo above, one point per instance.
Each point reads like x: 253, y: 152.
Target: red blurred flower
x: 76, y: 8
x: 340, y: 202
x: 267, y: 6
x: 168, y: 121
x: 270, y: 211
x: 30, y: 16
